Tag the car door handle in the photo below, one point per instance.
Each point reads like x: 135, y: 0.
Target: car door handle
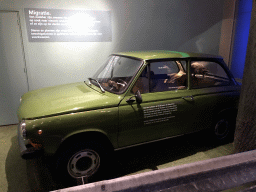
x: 191, y: 97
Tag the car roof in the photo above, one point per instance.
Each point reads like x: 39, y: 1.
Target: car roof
x: 164, y: 54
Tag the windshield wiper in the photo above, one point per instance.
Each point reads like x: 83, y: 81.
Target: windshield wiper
x: 101, y: 88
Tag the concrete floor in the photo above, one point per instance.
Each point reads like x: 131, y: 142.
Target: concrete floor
x: 34, y: 175
x: 18, y: 174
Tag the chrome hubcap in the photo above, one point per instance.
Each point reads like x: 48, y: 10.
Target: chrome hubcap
x: 84, y: 163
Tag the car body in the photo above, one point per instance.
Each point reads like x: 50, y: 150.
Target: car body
x: 134, y: 98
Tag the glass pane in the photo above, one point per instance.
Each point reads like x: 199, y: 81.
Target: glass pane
x: 142, y: 82
x: 166, y: 76
x: 207, y: 74
x: 184, y: 64
x: 115, y: 75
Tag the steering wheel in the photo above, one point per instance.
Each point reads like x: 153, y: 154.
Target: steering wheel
x: 122, y: 81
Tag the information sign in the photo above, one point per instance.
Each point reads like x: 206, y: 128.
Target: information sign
x: 61, y: 25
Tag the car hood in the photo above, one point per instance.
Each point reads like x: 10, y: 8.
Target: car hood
x: 64, y: 99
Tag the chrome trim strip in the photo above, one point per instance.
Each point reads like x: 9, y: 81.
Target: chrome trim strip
x: 148, y: 142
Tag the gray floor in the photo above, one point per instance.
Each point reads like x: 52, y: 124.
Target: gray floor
x: 33, y: 175
x: 12, y: 167
x: 18, y: 174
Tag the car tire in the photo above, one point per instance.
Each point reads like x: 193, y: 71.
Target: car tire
x: 82, y: 162
x: 224, y: 129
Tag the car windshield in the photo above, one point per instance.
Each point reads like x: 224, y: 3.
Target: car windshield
x: 116, y: 74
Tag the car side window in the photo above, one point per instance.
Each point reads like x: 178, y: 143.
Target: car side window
x: 208, y: 74
x: 184, y: 64
x: 161, y: 76
x: 142, y: 82
x: 166, y: 76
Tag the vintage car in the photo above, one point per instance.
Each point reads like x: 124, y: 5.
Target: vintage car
x: 134, y: 98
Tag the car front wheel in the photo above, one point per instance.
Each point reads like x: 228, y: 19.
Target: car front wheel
x: 84, y: 163
x: 81, y: 163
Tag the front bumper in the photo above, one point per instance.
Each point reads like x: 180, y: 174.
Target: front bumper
x: 27, y: 151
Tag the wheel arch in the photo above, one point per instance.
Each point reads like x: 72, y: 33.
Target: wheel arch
x: 83, y: 135
x: 230, y: 112
x: 69, y: 147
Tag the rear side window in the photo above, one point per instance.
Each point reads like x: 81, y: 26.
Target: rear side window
x: 208, y: 74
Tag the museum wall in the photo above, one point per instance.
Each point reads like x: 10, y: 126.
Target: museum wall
x: 240, y: 38
x: 178, y: 25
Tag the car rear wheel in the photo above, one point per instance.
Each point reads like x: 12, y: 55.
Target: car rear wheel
x: 221, y: 129
x: 82, y: 162
x: 224, y: 129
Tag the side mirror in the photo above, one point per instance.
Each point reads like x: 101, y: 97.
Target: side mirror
x: 138, y: 97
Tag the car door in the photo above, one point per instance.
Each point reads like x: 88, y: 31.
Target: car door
x: 166, y: 109
x: 214, y: 91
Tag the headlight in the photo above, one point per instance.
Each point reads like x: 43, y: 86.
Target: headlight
x: 23, y: 129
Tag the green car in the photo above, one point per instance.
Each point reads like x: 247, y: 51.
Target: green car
x: 134, y: 98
